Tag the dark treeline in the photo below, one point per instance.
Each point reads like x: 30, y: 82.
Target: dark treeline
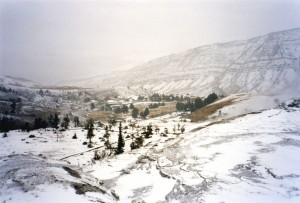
x: 162, y: 97
x: 8, y: 90
x: 10, y: 123
x: 13, y: 123
x: 195, y: 104
x: 121, y: 109
x: 156, y: 105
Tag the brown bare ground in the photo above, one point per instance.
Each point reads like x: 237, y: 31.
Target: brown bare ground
x: 104, y: 116
x: 162, y: 110
x: 203, y: 113
x: 141, y: 106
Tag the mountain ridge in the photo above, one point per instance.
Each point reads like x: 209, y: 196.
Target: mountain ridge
x: 268, y: 63
x: 264, y: 64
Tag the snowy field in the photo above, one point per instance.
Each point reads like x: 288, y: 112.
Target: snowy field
x: 251, y: 158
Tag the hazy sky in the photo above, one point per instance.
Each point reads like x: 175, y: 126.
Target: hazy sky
x: 56, y: 40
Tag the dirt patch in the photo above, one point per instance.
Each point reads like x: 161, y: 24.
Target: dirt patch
x: 83, y: 188
x: 103, y: 116
x: 207, y: 111
x: 72, y: 172
x: 163, y: 110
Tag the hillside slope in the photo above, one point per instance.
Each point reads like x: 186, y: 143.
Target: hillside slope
x: 264, y: 64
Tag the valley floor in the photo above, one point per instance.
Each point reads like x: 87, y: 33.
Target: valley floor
x: 251, y: 158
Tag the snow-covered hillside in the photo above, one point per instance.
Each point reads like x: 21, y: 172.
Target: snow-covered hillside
x: 263, y: 64
x: 269, y: 63
x: 237, y: 156
x: 14, y: 82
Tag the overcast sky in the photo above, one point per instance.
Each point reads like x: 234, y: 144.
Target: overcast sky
x: 55, y: 40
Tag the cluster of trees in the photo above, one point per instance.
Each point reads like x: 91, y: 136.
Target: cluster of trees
x: 135, y: 112
x: 141, y: 98
x: 4, y: 89
x: 65, y: 122
x: 162, y: 97
x: 87, y: 99
x: 196, y: 104
x: 52, y: 121
x: 9, y: 123
x: 76, y: 121
x: 43, y: 93
x: 143, y: 114
x: 137, y: 142
x: 92, y: 105
x: 13, y: 105
x: 105, y: 107
x: 156, y: 105
x: 89, y: 126
x: 123, y: 109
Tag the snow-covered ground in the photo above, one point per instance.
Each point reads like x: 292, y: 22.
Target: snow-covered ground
x: 247, y: 158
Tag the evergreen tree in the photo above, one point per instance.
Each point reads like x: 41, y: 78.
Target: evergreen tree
x: 92, y: 106
x: 198, y: 103
x: 210, y: 99
x: 182, y: 129
x: 26, y: 127
x: 137, y: 143
x: 131, y: 106
x: 125, y: 109
x: 13, y: 106
x: 56, y: 121
x: 76, y: 121
x: 180, y: 106
x: 149, y: 131
x: 51, y: 120
x: 121, y: 143
x: 90, y: 127
x: 146, y: 112
x: 135, y: 113
x: 41, y: 92
x: 118, y: 110
x: 39, y: 123
x: 65, y: 122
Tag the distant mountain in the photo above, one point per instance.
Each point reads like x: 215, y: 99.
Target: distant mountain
x: 264, y: 64
x: 18, y: 82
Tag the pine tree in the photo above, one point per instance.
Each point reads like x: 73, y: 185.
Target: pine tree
x: 182, y: 129
x: 90, y: 133
x: 51, y: 120
x: 55, y: 121
x: 121, y: 143
x: 125, y: 109
x: 149, y: 131
x: 135, y: 112
x: 131, y: 106
x: 66, y: 121
x: 146, y: 112
x: 13, y: 106
x: 76, y: 121
x: 92, y: 106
